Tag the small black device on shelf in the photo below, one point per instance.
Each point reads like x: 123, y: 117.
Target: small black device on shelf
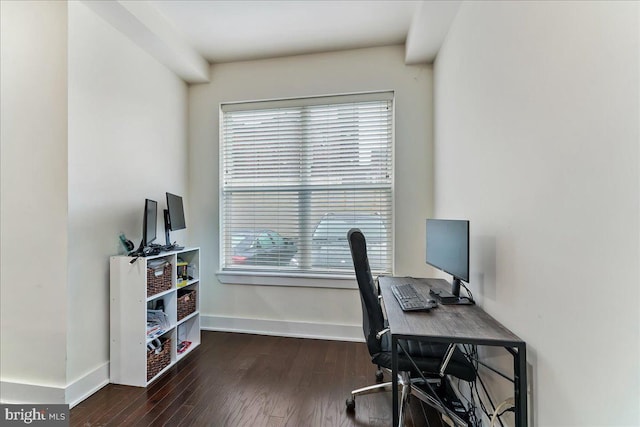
x: 447, y: 244
x: 173, y: 219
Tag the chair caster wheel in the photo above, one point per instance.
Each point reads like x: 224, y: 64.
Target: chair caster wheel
x: 351, y: 404
x: 379, y: 376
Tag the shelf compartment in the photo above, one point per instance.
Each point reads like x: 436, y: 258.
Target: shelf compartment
x: 169, y: 305
x: 159, y: 276
x: 186, y: 302
x: 157, y: 360
x: 182, y: 275
x: 188, y: 332
x: 157, y: 330
x: 189, y: 262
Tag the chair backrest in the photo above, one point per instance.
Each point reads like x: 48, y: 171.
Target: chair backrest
x: 372, y: 317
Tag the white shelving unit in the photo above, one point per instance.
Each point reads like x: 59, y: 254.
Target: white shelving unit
x: 131, y: 363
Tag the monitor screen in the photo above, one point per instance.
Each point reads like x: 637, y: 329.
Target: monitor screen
x: 448, y: 247
x: 150, y: 221
x: 176, y: 212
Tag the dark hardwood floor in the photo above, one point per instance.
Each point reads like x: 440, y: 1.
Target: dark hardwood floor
x: 253, y: 380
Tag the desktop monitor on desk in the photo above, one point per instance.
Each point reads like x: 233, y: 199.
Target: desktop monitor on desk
x: 448, y: 250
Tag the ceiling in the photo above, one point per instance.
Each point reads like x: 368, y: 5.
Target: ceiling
x: 188, y: 35
x: 223, y: 31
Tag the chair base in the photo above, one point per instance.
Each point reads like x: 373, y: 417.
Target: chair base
x: 405, y: 388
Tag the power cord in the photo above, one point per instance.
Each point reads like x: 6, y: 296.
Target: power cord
x: 470, y: 405
x: 471, y: 352
x: 468, y: 292
x: 503, y: 407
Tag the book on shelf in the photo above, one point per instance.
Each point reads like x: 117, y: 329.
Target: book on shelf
x: 183, y: 346
x: 157, y: 323
x: 155, y: 334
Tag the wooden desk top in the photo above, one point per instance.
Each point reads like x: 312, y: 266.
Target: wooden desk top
x: 467, y: 324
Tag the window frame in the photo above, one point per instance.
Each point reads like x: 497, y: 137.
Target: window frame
x: 299, y: 278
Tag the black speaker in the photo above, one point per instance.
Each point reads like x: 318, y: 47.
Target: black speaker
x: 128, y: 244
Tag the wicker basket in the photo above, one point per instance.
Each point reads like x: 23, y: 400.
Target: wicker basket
x: 186, y: 303
x: 156, y: 362
x: 158, y: 283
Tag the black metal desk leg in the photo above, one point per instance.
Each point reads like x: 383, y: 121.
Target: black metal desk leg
x: 394, y: 380
x: 520, y: 385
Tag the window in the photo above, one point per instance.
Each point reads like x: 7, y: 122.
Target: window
x: 297, y: 175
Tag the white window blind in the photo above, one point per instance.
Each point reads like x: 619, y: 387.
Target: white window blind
x: 298, y: 174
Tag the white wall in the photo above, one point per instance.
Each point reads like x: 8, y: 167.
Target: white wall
x: 127, y: 142
x: 311, y: 311
x: 537, y: 143
x: 91, y: 125
x: 33, y: 272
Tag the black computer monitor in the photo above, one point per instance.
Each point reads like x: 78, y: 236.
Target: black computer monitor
x: 448, y: 249
x: 149, y: 222
x: 173, y: 216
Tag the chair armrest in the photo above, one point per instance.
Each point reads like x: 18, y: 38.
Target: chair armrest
x: 382, y: 332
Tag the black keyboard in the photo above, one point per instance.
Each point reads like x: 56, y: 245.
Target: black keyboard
x: 410, y: 300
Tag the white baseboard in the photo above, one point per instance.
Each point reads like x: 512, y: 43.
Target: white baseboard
x: 16, y: 392
x: 86, y: 385
x: 74, y: 393
x: 325, y: 331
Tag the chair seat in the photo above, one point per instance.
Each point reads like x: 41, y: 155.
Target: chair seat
x: 428, y: 357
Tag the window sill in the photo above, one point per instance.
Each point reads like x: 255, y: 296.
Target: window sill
x: 284, y: 279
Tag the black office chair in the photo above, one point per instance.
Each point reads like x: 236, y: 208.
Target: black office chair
x: 428, y: 357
